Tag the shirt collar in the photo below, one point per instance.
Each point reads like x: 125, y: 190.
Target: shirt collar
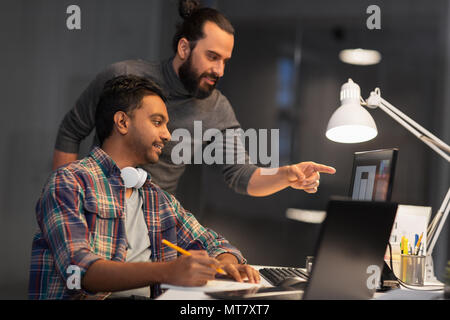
x: 107, y: 164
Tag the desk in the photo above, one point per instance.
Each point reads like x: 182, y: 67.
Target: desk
x: 198, y: 293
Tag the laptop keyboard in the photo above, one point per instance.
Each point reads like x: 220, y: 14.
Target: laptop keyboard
x: 276, y: 275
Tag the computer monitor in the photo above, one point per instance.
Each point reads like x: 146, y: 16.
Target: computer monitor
x: 373, y: 175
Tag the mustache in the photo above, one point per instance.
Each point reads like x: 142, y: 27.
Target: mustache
x: 161, y: 143
x: 213, y: 76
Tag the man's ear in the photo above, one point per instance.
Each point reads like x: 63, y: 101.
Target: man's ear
x: 121, y: 122
x: 184, y: 48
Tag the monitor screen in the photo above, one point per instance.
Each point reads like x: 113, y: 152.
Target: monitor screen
x: 373, y: 175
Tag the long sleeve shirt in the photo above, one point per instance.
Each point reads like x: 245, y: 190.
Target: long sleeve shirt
x: 81, y: 219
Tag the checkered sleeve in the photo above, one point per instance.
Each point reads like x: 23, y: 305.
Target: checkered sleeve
x: 192, y: 235
x: 64, y: 227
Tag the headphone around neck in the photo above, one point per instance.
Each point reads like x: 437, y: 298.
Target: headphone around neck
x: 133, y: 177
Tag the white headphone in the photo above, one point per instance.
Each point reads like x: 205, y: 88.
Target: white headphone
x: 133, y: 177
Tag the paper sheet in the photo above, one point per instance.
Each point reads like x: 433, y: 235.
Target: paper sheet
x: 215, y: 285
x: 198, y: 293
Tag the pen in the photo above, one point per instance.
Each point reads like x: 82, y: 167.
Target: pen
x: 419, y: 242
x: 186, y: 253
x: 419, y: 248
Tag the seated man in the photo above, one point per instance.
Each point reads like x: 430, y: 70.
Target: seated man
x: 99, y: 235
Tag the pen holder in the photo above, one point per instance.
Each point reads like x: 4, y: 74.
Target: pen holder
x: 412, y: 269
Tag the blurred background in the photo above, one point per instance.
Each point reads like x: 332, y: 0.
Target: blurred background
x: 285, y: 73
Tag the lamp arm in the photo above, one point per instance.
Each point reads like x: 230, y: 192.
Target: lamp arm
x: 438, y: 144
x: 440, y: 217
x: 414, y: 131
x: 420, y: 132
x: 440, y: 147
x: 376, y: 101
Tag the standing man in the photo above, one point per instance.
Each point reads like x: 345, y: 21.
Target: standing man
x: 202, y: 45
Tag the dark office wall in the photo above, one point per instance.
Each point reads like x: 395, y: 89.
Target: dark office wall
x: 440, y: 171
x: 44, y: 68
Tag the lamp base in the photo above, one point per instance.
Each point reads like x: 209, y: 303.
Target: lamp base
x: 430, y: 278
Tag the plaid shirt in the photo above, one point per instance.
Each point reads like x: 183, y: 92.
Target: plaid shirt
x: 81, y: 218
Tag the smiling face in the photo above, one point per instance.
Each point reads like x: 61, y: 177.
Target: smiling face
x: 205, y: 64
x: 147, y: 130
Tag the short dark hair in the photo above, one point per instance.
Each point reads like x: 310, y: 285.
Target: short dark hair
x: 194, y: 18
x: 122, y: 93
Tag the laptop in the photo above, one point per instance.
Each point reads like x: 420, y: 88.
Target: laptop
x: 348, y: 256
x: 350, y: 250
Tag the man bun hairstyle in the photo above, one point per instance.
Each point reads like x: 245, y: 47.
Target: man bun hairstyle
x: 186, y: 8
x: 122, y: 93
x: 194, y: 17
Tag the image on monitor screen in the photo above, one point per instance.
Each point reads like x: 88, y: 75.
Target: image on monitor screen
x: 373, y: 175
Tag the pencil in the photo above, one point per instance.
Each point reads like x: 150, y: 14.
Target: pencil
x: 186, y: 253
x: 419, y: 243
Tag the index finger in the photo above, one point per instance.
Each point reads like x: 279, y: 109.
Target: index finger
x: 233, y: 272
x: 252, y: 274
x: 323, y: 168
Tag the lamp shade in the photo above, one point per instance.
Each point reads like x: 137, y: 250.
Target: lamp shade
x: 351, y: 123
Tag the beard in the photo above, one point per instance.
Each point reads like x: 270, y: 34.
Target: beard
x: 191, y: 80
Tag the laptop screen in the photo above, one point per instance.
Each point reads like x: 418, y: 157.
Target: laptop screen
x: 350, y: 249
x: 373, y: 175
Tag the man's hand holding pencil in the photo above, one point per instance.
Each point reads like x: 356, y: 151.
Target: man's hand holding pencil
x: 195, y: 268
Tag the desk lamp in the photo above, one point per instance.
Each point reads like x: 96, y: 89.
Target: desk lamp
x: 351, y: 123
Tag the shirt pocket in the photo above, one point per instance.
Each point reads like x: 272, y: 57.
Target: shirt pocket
x: 168, y: 227
x: 105, y: 227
